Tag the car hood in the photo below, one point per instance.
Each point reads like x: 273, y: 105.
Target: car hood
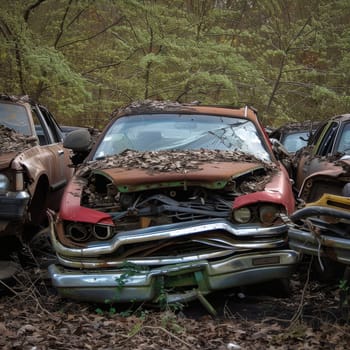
x: 208, y: 172
x: 13, y: 144
x: 132, y: 169
x: 6, y: 158
x: 251, y: 179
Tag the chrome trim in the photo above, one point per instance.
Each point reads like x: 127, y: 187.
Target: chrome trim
x: 165, y: 231
x: 306, y: 242
x: 89, y: 263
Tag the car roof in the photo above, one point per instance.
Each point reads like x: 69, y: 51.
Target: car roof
x: 340, y: 117
x: 16, y: 99
x: 167, y: 107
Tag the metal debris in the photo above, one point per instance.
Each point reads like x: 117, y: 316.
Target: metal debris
x: 255, y: 184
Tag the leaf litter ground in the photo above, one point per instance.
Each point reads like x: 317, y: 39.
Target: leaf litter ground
x: 310, y: 317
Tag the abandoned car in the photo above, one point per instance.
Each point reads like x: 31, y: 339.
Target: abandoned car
x: 173, y: 202
x: 323, y: 165
x: 321, y: 224
x: 33, y: 166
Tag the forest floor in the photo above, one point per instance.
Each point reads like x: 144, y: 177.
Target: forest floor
x: 311, y: 317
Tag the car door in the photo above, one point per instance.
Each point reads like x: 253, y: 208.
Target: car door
x: 316, y: 156
x: 55, y: 159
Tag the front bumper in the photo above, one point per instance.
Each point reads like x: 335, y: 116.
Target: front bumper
x: 221, y: 256
x: 13, y: 205
x: 182, y: 282
x: 335, y: 248
x: 321, y: 231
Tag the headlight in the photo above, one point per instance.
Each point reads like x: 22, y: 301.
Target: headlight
x: 268, y: 214
x: 78, y: 232
x: 242, y: 215
x: 84, y: 232
x: 4, y: 183
x: 102, y: 232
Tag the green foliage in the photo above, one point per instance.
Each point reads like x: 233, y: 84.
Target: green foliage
x: 84, y: 58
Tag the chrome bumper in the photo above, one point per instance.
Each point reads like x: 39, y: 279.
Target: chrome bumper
x: 202, y: 276
x: 322, y: 234
x: 334, y: 247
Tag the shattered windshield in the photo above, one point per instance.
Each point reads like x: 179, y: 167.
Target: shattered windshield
x: 156, y: 132
x: 15, y: 117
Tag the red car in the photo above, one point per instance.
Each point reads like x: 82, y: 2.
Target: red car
x: 173, y: 202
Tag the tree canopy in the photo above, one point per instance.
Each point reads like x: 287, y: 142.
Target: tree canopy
x: 83, y: 58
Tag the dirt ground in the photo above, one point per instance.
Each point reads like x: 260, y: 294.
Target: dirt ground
x: 311, y: 317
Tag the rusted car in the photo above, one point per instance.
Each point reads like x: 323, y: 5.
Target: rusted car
x: 323, y: 165
x: 33, y: 167
x: 173, y: 202
x: 322, y: 178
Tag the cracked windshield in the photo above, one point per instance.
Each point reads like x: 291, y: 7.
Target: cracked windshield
x: 182, y: 132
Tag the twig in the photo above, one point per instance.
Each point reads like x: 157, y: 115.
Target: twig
x: 298, y: 313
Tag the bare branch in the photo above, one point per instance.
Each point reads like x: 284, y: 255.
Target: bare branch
x: 60, y: 33
x: 5, y: 30
x: 31, y: 8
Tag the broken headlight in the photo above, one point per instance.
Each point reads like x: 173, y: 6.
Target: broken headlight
x: 268, y: 213
x: 81, y: 232
x: 264, y: 213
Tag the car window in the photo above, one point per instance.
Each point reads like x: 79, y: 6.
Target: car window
x: 344, y: 140
x: 317, y: 134
x: 52, y: 124
x: 182, y: 132
x: 328, y: 140
x: 45, y: 126
x: 15, y: 117
x: 295, y: 141
x: 40, y: 129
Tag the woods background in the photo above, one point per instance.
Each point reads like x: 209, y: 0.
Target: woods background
x: 290, y: 59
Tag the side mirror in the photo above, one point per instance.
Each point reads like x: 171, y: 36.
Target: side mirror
x: 78, y: 141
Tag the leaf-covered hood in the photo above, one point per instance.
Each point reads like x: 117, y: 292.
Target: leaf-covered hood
x: 136, y: 168
x: 12, y: 144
